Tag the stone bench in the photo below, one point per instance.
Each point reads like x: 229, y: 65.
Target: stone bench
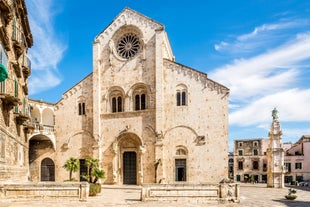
x: 197, y: 193
x: 46, y: 190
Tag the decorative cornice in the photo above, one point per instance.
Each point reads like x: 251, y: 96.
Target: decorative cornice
x: 197, y: 75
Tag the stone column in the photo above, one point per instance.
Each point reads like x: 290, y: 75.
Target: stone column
x: 275, y: 155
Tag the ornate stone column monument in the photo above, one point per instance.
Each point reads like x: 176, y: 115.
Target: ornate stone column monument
x: 275, y: 154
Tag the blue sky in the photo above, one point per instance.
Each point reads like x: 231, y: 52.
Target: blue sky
x: 260, y: 49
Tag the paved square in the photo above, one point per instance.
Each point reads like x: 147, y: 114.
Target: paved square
x: 252, y: 195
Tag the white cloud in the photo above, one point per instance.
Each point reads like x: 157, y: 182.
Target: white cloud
x: 266, y: 73
x: 48, y: 49
x: 270, y: 27
x: 293, y: 105
x: 262, y: 37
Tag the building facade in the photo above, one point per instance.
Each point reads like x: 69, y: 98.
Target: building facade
x: 250, y: 160
x: 15, y: 68
x: 147, y: 118
x: 297, y: 160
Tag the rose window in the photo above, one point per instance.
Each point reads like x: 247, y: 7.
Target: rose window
x: 128, y: 46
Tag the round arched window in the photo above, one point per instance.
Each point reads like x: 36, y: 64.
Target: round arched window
x: 128, y: 46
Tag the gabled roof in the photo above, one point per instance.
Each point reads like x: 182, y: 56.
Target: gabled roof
x: 133, y: 12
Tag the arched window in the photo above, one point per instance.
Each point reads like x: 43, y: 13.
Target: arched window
x: 140, y: 102
x: 47, y: 170
x: 82, y: 108
x: 181, y: 95
x: 117, y: 100
x: 117, y: 104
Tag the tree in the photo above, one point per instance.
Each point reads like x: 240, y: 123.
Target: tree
x: 72, y: 165
x: 91, y: 163
x: 97, y: 173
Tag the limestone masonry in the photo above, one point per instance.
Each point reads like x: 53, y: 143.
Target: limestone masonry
x: 147, y: 118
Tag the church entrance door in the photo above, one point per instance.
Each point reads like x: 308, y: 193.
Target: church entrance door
x: 130, y: 168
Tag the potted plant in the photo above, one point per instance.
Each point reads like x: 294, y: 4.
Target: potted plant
x: 93, y: 175
x: 291, y: 194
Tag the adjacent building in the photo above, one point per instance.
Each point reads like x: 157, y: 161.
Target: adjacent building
x: 250, y: 160
x: 15, y: 68
x: 297, y: 160
x: 146, y: 117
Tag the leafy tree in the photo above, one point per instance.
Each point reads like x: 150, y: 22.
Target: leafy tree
x: 72, y: 165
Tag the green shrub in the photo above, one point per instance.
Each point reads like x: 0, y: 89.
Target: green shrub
x: 293, y: 182
x: 94, y: 189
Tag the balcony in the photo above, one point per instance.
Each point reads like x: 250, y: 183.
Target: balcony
x: 18, y: 41
x: 26, y: 65
x: 25, y: 88
x: 21, y: 116
x: 43, y: 129
x: 10, y: 101
x: 17, y: 69
x: 6, y: 11
x: 28, y: 126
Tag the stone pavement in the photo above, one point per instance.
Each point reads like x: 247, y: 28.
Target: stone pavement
x: 252, y: 195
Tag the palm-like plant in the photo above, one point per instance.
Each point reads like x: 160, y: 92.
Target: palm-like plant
x: 97, y: 173
x: 72, y: 165
x: 91, y: 163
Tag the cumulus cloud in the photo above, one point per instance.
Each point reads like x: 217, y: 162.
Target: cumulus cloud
x: 48, y: 49
x: 293, y: 105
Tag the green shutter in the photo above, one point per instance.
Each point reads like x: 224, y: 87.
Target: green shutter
x: 15, y: 88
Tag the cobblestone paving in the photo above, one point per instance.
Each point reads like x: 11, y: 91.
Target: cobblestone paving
x: 252, y: 195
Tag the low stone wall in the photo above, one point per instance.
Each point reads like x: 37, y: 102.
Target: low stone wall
x: 46, y: 190
x: 197, y: 193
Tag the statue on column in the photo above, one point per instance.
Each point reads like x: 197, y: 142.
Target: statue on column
x: 275, y: 114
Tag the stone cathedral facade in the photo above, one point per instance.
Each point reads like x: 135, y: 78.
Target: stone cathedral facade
x: 147, y: 118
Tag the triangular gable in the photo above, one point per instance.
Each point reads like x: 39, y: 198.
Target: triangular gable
x: 129, y: 16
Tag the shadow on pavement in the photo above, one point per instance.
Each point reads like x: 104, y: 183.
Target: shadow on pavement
x: 290, y: 203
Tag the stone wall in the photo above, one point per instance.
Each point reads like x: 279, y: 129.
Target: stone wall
x: 73, y: 131
x: 76, y: 191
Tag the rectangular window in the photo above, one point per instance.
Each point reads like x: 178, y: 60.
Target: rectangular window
x: 298, y: 165
x: 255, y: 165
x: 3, y: 57
x: 240, y: 152
x: 240, y: 165
x: 180, y: 170
x: 183, y: 98
x: 240, y: 144
x: 255, y: 152
x: 288, y: 166
x: 265, y: 167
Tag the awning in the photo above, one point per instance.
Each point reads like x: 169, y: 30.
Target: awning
x: 3, y: 73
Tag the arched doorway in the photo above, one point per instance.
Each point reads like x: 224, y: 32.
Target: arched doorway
x: 130, y: 168
x: 47, y: 170
x: 127, y: 161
